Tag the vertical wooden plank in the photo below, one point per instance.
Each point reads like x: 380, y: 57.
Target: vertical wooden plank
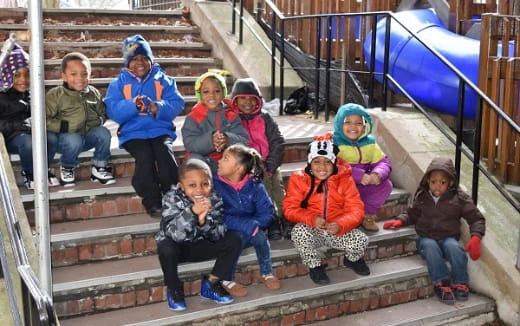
x: 493, y: 93
x: 484, y: 83
x: 505, y: 144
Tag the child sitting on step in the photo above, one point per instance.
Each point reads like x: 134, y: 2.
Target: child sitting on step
x: 15, y: 114
x: 438, y: 206
x: 324, y: 202
x: 75, y: 116
x: 144, y: 100
x: 248, y: 209
x: 192, y: 229
x: 370, y: 166
x: 266, y: 138
x: 212, y: 125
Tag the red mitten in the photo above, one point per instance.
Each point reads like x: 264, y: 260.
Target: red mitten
x: 473, y: 247
x: 393, y: 224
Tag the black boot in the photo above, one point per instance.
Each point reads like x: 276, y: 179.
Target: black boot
x: 274, y: 231
x: 287, y: 229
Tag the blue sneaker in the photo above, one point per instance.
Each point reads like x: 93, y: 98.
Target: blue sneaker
x: 213, y: 290
x: 176, y: 300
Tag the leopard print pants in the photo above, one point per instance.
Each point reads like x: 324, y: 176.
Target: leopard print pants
x: 308, y: 239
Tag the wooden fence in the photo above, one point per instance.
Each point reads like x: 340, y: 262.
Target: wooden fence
x: 500, y: 79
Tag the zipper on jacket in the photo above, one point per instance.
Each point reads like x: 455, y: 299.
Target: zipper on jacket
x: 85, y: 111
x: 325, y: 199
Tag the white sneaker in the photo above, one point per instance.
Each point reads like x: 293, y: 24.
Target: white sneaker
x: 52, y: 180
x: 28, y: 180
x: 67, y: 176
x: 102, y: 175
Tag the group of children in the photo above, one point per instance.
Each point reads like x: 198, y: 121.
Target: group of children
x: 228, y: 193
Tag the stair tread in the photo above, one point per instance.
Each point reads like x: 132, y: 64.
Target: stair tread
x: 106, y: 272
x: 292, y: 289
x: 85, y: 230
x: 419, y: 312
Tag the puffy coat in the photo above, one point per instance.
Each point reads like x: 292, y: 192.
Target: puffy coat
x: 247, y: 208
x: 442, y: 219
x: 14, y: 109
x: 68, y: 110
x: 338, y: 202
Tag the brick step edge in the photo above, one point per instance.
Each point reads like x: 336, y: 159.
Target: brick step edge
x: 286, y: 265
x: 392, y: 282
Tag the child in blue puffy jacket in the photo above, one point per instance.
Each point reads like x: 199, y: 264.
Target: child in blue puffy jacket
x: 145, y: 101
x: 248, y: 209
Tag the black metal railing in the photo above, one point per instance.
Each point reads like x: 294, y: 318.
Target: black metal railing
x: 36, y: 303
x: 155, y: 4
x: 277, y: 27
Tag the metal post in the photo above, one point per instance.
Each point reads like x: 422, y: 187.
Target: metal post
x: 386, y: 63
x: 282, y: 60
x: 371, y: 68
x: 39, y: 140
x: 317, y: 63
x: 273, y: 60
x: 460, y: 126
x: 327, y: 72
x: 241, y: 23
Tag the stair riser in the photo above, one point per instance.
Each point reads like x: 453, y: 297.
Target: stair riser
x: 123, y: 165
x: 126, y: 246
x: 316, y: 308
x: 84, y: 17
x: 112, y: 71
x: 150, y: 290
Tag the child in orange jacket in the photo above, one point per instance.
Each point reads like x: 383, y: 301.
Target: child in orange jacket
x: 324, y: 202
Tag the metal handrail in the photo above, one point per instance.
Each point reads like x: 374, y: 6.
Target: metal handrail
x: 37, y: 304
x: 464, y: 82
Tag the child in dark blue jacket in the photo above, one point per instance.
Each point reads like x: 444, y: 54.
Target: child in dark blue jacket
x: 248, y: 209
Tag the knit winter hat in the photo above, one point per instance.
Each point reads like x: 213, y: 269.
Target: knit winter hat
x: 218, y: 77
x: 135, y: 45
x: 16, y: 60
x: 246, y: 87
x: 322, y: 146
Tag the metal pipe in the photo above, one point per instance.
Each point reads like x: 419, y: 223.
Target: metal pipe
x: 282, y: 60
x: 317, y: 67
x: 460, y: 126
x: 39, y: 140
x: 385, y: 65
x: 327, y: 73
x: 241, y: 23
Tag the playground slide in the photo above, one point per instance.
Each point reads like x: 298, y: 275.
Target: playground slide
x: 418, y: 71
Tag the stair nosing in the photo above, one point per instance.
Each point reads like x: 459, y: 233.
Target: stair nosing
x: 113, y: 61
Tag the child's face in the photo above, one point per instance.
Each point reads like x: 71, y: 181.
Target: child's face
x: 140, y: 65
x: 321, y: 167
x: 439, y: 182
x: 76, y: 75
x: 196, y: 184
x: 211, y: 94
x: 247, y: 104
x: 21, y: 80
x: 353, y: 127
x: 228, y: 166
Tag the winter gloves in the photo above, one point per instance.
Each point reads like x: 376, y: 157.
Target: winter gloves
x: 473, y: 247
x: 394, y: 224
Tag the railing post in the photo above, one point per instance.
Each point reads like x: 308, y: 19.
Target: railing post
x: 385, y: 65
x: 372, y: 65
x: 39, y: 141
x: 282, y: 60
x: 273, y: 61
x: 241, y: 23
x: 317, y: 64
x: 460, y: 122
x: 327, y: 72
x: 233, y: 17
x: 476, y: 150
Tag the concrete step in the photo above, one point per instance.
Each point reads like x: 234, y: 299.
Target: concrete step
x: 100, y: 236
x: 299, y: 300
x: 297, y: 131
x: 185, y: 70
x: 478, y: 310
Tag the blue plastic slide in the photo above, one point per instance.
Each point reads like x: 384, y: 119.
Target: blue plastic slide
x: 418, y: 71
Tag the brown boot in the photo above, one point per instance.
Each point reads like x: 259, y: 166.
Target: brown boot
x: 369, y: 223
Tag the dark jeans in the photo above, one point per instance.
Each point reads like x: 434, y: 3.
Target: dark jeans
x: 155, y: 168
x: 226, y: 252
x: 438, y: 252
